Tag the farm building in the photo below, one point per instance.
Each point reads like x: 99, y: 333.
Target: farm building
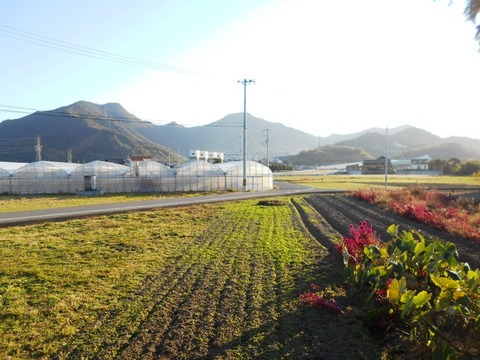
x: 418, y: 165
x: 47, y: 177
x: 377, y: 166
x: 421, y: 162
x: 211, y: 156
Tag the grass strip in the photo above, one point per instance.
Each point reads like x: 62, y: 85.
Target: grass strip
x: 205, y: 281
x: 355, y: 182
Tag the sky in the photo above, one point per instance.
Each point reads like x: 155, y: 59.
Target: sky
x: 320, y: 66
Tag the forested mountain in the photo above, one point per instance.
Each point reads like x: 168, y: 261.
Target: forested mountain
x: 85, y: 131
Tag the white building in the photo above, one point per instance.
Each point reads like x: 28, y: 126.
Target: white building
x: 421, y: 162
x: 203, y: 155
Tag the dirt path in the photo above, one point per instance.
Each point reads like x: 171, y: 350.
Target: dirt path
x: 339, y: 211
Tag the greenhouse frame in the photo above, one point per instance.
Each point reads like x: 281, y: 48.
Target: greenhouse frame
x: 49, y: 177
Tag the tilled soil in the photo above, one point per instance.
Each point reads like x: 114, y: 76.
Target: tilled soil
x: 339, y: 211
x: 206, y: 311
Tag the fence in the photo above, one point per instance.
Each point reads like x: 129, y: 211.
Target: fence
x: 44, y: 177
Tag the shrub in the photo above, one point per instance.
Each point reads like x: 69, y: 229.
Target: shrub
x: 419, y: 283
x: 433, y: 208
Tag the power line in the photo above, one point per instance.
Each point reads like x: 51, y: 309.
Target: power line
x: 25, y: 36
x: 17, y: 109
x: 28, y: 111
x: 16, y: 145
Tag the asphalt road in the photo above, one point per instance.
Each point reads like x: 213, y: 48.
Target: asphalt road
x: 25, y: 217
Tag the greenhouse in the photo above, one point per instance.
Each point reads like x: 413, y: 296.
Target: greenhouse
x: 99, y: 175
x: 259, y: 177
x: 151, y: 176
x: 199, y: 176
x: 41, y: 177
x: 48, y: 177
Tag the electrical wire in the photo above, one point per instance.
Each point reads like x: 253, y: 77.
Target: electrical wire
x: 17, y: 145
x: 17, y: 109
x: 28, y: 111
x: 25, y: 36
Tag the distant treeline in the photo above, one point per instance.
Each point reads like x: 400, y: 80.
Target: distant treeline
x: 275, y: 167
x: 454, y: 166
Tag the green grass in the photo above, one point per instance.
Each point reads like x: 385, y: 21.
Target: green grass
x: 354, y: 182
x: 334, y: 182
x: 212, y: 280
x: 38, y: 202
x: 195, y: 281
x: 57, y: 277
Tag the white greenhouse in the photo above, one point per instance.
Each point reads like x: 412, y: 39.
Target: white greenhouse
x: 99, y: 175
x: 259, y: 177
x: 48, y: 177
x: 151, y: 176
x: 199, y: 176
x: 41, y: 177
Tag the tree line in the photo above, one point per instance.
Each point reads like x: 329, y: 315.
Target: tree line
x: 456, y: 167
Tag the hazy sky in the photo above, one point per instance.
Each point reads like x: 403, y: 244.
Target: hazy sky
x: 320, y: 66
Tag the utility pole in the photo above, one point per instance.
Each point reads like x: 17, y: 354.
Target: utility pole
x: 266, y: 142
x: 38, y: 149
x: 240, y: 149
x: 245, y: 82
x: 386, y: 158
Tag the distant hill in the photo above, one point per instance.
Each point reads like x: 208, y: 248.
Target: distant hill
x: 337, y: 138
x: 412, y: 142
x: 328, y: 155
x: 97, y: 132
x: 226, y: 136
x: 405, y: 142
x: 89, y: 131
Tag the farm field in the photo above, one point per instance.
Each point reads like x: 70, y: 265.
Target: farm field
x: 204, y: 281
x: 333, y: 182
x: 355, y: 182
x: 211, y: 281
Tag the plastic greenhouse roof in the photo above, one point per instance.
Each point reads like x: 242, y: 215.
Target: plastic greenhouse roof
x: 42, y: 167
x: 8, y: 168
x: 154, y: 168
x: 97, y: 166
x: 200, y: 168
x: 238, y: 165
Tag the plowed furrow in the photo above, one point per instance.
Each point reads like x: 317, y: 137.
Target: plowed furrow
x: 179, y: 309
x: 341, y: 210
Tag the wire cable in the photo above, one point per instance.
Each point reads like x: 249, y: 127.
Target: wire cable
x: 28, y: 111
x: 25, y: 36
x: 17, y: 109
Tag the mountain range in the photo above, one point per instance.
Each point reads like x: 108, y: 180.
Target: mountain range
x: 85, y: 131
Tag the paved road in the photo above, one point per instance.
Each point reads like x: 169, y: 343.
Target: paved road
x: 25, y: 217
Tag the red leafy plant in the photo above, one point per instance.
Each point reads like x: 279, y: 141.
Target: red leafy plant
x: 317, y: 298
x: 433, y: 208
x: 378, y: 316
x: 360, y: 237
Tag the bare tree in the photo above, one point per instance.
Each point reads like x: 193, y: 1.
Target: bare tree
x: 472, y: 8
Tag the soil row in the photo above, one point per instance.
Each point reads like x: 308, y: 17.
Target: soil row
x: 232, y: 293
x: 341, y: 210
